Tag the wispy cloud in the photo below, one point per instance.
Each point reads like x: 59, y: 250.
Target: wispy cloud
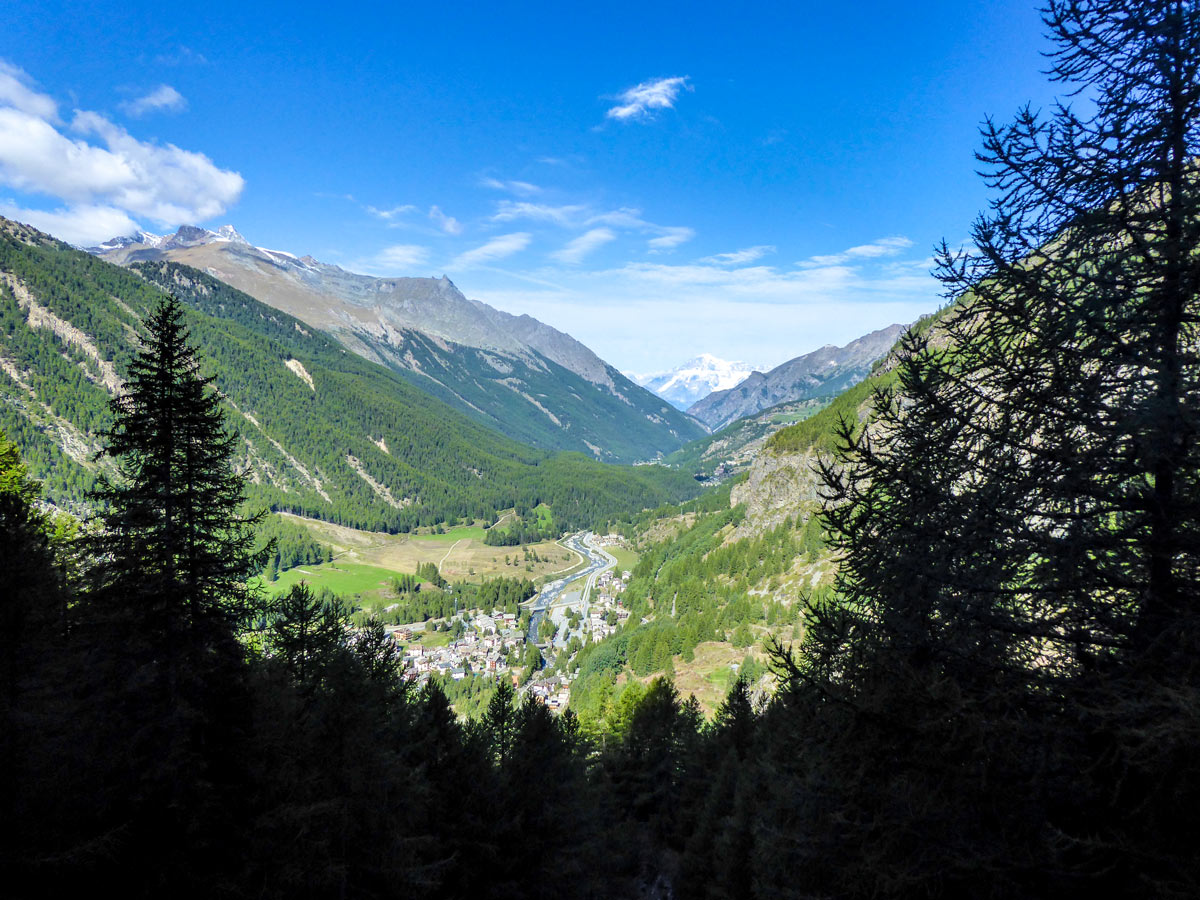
x: 402, y: 256
x: 638, y: 101
x: 389, y: 214
x: 497, y: 248
x: 767, y: 313
x: 665, y: 237
x: 181, y: 56
x: 739, y: 257
x: 448, y: 224
x: 17, y: 92
x: 574, y: 252
x: 671, y: 238
x: 889, y: 246
x: 98, y: 170
x: 509, y: 211
x: 520, y: 188
x: 163, y: 98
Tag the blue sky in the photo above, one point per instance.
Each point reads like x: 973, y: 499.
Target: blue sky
x: 660, y: 180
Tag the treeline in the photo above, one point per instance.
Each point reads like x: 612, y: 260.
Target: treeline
x: 444, y: 600
x: 520, y: 533
x: 147, y: 750
x: 290, y: 545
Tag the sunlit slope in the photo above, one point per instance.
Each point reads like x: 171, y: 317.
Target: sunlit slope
x: 323, y: 432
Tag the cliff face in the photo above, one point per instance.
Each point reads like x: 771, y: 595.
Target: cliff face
x: 778, y: 486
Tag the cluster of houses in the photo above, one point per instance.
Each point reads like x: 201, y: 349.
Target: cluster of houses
x: 492, y: 643
x: 487, y: 643
x: 606, y: 614
x: 554, y: 691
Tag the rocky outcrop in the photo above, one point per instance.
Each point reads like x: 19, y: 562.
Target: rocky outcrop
x: 778, y: 486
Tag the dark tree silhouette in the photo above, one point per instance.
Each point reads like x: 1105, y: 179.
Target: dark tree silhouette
x: 173, y: 536
x: 1020, y: 525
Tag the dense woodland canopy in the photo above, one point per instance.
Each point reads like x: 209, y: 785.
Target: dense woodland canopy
x: 998, y: 699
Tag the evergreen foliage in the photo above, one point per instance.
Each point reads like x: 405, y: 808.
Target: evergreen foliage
x: 999, y: 700
x: 171, y: 524
x: 1018, y: 528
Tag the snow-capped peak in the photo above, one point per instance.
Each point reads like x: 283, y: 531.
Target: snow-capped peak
x: 229, y: 233
x: 127, y: 240
x: 695, y: 379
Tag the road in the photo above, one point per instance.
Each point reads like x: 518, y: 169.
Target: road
x: 551, y: 595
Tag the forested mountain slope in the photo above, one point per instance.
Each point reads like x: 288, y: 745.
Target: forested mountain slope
x: 513, y: 373
x: 323, y: 432
x: 720, y: 576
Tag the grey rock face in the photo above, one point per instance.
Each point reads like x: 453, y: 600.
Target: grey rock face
x: 823, y: 372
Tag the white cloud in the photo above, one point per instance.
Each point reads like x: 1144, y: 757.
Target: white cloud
x: 16, y: 92
x: 671, y: 237
x: 520, y: 188
x: 163, y: 98
x: 625, y: 217
x: 566, y: 216
x: 448, y: 224
x: 402, y: 256
x: 574, y: 252
x: 496, y: 248
x: 181, y: 56
x: 739, y: 257
x: 115, y: 173
x: 388, y: 214
x: 889, y: 246
x: 80, y: 225
x: 761, y: 312
x: 637, y: 101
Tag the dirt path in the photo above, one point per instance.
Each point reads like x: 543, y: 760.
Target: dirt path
x: 448, y: 552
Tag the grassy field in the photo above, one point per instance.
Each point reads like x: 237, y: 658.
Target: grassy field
x: 458, y: 533
x: 626, y: 558
x: 348, y: 579
x: 709, y: 676
x: 460, y: 554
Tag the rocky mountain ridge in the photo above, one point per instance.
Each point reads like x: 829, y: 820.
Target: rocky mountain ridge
x: 319, y: 431
x: 822, y: 373
x: 514, y: 373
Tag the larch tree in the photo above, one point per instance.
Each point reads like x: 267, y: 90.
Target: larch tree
x: 1007, y: 685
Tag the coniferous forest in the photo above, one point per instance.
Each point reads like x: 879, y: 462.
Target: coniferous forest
x: 999, y: 698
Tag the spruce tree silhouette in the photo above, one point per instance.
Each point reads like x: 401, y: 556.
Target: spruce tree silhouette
x: 1020, y: 524
x: 173, y: 535
x: 169, y: 594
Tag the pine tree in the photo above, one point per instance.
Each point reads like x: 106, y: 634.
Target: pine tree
x: 166, y: 681
x: 174, y: 540
x: 1020, y: 525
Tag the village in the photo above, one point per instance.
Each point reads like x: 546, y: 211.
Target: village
x: 496, y: 644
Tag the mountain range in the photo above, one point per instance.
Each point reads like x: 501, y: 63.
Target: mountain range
x: 512, y: 373
x: 321, y: 432
x: 821, y: 373
x: 684, y: 385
